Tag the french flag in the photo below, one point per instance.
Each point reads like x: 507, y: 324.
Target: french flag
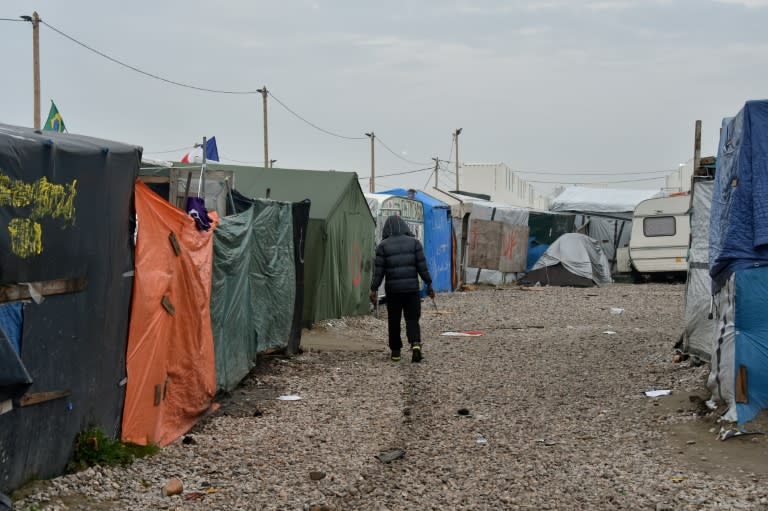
x: 196, y: 154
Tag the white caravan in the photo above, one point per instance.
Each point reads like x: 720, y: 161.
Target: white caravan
x: 661, y: 233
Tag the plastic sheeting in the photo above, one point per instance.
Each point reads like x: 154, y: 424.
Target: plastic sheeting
x: 739, y: 226
x: 170, y: 362
x: 487, y: 210
x: 580, y: 255
x: 340, y: 244
x: 600, y: 200
x: 699, y: 328
x: 438, y: 243
x: 74, y: 341
x: 10, y: 323
x: 741, y: 344
x: 254, y: 287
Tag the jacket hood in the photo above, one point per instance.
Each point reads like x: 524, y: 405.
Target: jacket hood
x: 394, y: 226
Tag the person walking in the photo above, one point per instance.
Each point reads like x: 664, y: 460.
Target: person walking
x: 399, y: 263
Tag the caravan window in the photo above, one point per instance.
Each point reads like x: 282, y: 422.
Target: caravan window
x: 659, y: 226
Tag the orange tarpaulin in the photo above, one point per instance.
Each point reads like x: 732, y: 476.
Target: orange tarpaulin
x: 170, y: 361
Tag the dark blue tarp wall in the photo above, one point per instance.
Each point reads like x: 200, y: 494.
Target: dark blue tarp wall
x: 738, y: 236
x: 752, y: 339
x: 72, y: 342
x: 438, y: 233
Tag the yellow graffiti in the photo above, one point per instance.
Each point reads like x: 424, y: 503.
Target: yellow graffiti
x: 26, y: 237
x: 47, y: 199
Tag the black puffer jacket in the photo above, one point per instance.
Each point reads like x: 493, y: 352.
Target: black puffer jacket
x: 399, y: 258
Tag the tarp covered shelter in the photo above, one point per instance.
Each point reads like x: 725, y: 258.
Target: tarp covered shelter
x: 438, y: 239
x: 492, y: 239
x: 170, y: 362
x: 572, y: 260
x: 699, y: 329
x: 340, y: 235
x: 254, y: 287
x: 299, y: 223
x: 738, y: 264
x: 604, y: 214
x: 65, y: 227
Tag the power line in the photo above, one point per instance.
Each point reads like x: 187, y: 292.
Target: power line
x: 594, y: 182
x: 378, y: 139
x: 571, y: 173
x: 221, y: 156
x: 12, y: 19
x: 145, y: 73
x: 169, y: 150
x: 327, y: 132
x: 397, y: 173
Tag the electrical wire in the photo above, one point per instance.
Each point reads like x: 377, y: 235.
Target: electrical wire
x: 221, y: 156
x: 327, y: 132
x: 594, y: 182
x: 378, y: 139
x: 170, y: 150
x: 571, y: 173
x: 145, y: 73
x: 397, y: 173
x: 13, y: 19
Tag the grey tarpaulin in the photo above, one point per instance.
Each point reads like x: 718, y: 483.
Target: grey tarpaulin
x: 254, y: 286
x: 580, y: 255
x: 698, y: 336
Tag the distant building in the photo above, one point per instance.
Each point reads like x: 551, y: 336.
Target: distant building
x: 501, y: 184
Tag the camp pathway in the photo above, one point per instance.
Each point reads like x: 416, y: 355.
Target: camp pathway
x: 546, y: 410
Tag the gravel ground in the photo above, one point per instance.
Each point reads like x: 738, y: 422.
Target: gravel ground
x: 557, y: 419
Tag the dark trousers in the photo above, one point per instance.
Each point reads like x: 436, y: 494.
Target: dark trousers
x: 399, y: 304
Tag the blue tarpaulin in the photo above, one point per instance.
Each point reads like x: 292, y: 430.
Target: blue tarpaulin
x: 738, y: 235
x: 438, y: 241
x: 752, y: 339
x: 10, y: 323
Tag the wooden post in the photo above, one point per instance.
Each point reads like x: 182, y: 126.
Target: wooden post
x: 372, y: 183
x: 264, y: 93
x: 36, y: 67
x: 697, y: 148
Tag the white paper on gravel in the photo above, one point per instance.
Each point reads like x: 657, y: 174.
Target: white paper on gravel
x: 462, y: 334
x: 657, y: 393
x: 289, y: 398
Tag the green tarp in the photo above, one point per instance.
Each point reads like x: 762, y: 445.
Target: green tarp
x: 254, y: 285
x: 340, y: 245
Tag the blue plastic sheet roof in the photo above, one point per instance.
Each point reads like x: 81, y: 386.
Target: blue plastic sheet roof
x: 438, y: 232
x: 738, y: 234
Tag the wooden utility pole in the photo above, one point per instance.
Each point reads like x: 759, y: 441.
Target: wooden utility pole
x: 264, y: 93
x: 36, y: 66
x: 456, y: 141
x: 437, y: 164
x: 372, y: 184
x: 697, y: 148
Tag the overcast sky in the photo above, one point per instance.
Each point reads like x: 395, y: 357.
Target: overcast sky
x: 578, y: 86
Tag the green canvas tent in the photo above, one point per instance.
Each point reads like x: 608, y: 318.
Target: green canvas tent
x: 339, y: 250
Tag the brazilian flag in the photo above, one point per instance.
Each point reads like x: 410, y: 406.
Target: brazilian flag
x: 54, y: 122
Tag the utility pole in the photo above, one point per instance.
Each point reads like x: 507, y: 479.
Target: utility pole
x: 456, y: 141
x: 697, y: 148
x: 372, y: 184
x: 36, y: 66
x: 437, y: 164
x: 264, y: 93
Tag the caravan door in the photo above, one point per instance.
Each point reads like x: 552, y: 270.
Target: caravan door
x: 661, y: 233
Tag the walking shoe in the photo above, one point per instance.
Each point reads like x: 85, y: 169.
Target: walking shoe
x: 416, y: 353
x: 395, y: 356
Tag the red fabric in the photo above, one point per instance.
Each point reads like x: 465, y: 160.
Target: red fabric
x: 168, y: 355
